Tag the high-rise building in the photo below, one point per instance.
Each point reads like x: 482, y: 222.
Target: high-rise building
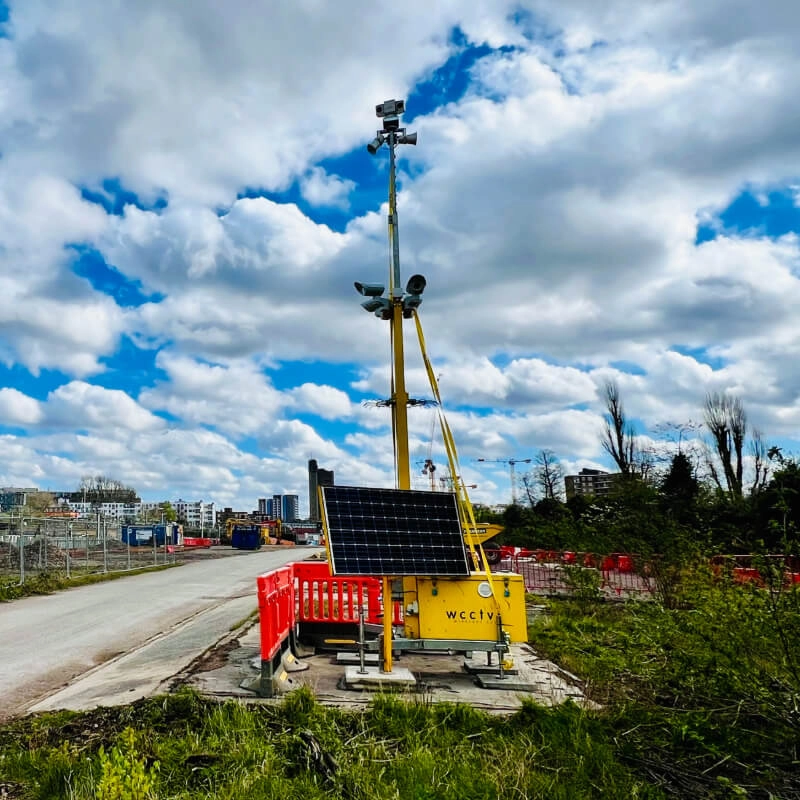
x: 270, y: 508
x: 277, y: 506
x: 291, y: 508
x: 316, y: 477
x: 262, y: 505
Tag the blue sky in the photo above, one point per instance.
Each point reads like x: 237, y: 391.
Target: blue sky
x: 594, y: 196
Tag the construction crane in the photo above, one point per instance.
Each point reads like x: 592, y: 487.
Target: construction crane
x: 512, y: 462
x: 429, y: 469
x: 450, y: 485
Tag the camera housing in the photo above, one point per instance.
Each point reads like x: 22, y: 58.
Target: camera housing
x: 416, y: 284
x: 370, y: 289
x: 390, y: 108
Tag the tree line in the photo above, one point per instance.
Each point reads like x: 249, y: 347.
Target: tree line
x: 715, y: 486
x: 98, y: 489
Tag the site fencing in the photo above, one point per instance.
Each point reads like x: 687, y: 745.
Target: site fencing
x: 628, y: 576
x: 31, y: 548
x: 553, y: 573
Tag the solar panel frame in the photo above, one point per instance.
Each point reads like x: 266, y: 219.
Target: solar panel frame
x: 393, y: 532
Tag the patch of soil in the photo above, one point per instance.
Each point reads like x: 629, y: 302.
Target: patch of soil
x: 215, y: 658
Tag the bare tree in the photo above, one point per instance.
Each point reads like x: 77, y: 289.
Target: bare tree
x: 528, y: 482
x: 726, y: 419
x: 548, y: 474
x: 761, y: 458
x: 618, y: 437
x: 101, y: 489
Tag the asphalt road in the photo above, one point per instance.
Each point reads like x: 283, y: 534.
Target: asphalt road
x: 46, y: 642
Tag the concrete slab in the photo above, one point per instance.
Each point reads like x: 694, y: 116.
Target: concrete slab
x: 353, y: 658
x: 373, y: 679
x: 439, y: 678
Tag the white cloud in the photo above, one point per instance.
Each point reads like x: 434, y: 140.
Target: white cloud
x: 83, y: 406
x: 553, y: 210
x: 321, y: 189
x: 49, y: 318
x: 324, y: 401
x: 17, y: 408
x: 236, y: 398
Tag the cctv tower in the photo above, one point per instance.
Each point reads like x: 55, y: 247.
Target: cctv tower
x: 400, y: 303
x: 490, y: 609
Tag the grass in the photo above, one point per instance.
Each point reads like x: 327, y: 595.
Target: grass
x: 190, y: 747
x: 699, y: 701
x: 703, y: 697
x: 50, y: 582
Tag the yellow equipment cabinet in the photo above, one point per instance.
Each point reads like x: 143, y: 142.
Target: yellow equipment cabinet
x: 467, y: 609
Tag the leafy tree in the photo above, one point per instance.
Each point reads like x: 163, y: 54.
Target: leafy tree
x: 680, y: 488
x: 37, y: 503
x: 778, y: 505
x: 170, y: 515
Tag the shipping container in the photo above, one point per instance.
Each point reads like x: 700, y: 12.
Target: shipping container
x: 246, y: 537
x: 142, y: 535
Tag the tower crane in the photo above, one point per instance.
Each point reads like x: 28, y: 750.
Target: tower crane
x: 429, y: 469
x: 450, y: 484
x: 512, y: 462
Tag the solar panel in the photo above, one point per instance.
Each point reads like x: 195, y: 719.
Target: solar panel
x: 393, y: 532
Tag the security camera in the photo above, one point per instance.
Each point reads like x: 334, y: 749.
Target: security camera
x: 389, y: 107
x: 369, y: 289
x: 411, y: 301
x: 375, y: 304
x: 416, y: 284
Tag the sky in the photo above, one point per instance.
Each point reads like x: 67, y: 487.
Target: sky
x: 599, y: 191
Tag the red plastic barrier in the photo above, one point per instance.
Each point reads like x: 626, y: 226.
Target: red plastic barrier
x: 626, y: 575
x: 545, y: 572
x: 609, y: 563
x: 747, y: 575
x: 276, y: 609
x: 322, y: 597
x: 196, y: 541
x: 624, y: 563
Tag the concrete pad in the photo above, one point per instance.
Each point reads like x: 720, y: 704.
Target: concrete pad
x: 353, y: 658
x: 439, y: 678
x: 373, y: 678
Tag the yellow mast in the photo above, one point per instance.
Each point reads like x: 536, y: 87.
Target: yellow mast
x: 393, y: 309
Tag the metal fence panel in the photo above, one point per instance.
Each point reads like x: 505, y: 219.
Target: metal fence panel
x: 31, y: 547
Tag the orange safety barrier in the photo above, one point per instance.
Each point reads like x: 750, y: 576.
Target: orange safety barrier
x: 276, y: 610
x: 746, y: 569
x: 322, y: 597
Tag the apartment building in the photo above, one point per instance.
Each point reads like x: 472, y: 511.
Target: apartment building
x: 590, y: 482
